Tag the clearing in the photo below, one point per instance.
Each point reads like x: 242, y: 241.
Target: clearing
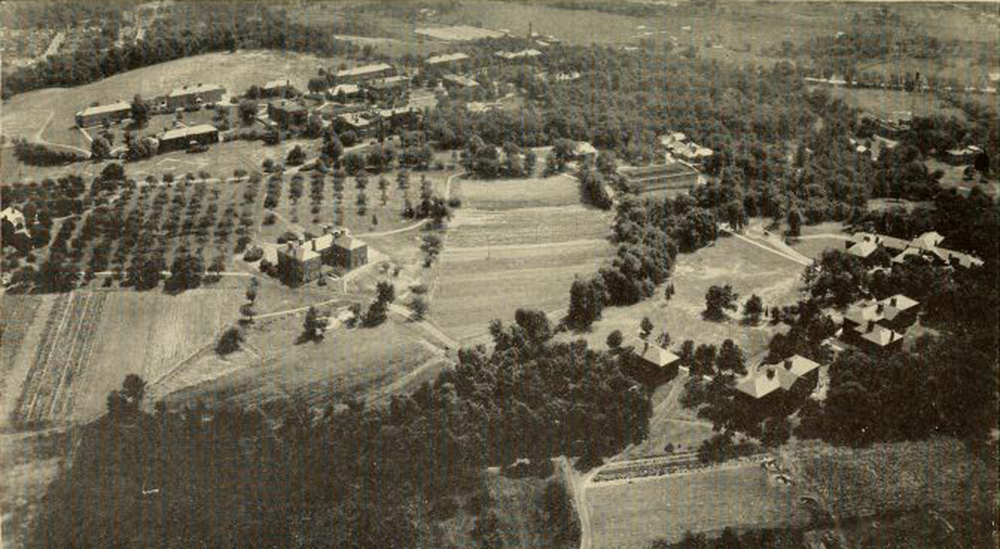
x: 523, y: 252
x: 634, y: 513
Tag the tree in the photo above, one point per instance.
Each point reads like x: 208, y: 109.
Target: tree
x: 431, y: 246
x: 552, y: 165
x: 586, y: 301
x: 100, y: 148
x: 252, y: 290
x: 229, y: 342
x: 730, y: 358
x: 313, y: 326
x: 419, y: 307
x: 615, y: 340
x: 704, y: 360
x: 186, y: 272
x: 530, y: 159
x: 753, y: 309
x: 376, y: 314
x: 113, y: 172
x: 247, y: 110
x: 140, y: 111
x: 296, y: 156
x: 354, y: 163
x: 332, y: 147
x: 385, y: 292
x: 645, y: 327
x: 487, y: 531
x: 794, y: 220
x: 718, y: 300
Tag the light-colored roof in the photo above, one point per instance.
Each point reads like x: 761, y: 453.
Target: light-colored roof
x: 298, y: 252
x: 760, y: 384
x: 188, y: 131
x: 348, y: 89
x: 287, y: 105
x: 280, y: 83
x: 652, y: 353
x: 200, y: 88
x: 902, y: 302
x: 349, y: 243
x: 365, y: 69
x: 446, y: 58
x: 461, y: 80
x: 11, y: 213
x: 518, y: 54
x: 387, y: 82
x: 863, y: 249
x: 861, y: 314
x: 355, y: 119
x: 321, y: 242
x: 929, y: 239
x: 102, y: 109
x: 583, y: 147
x: 879, y: 335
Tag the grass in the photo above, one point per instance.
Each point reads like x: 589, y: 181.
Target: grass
x: 17, y: 313
x: 891, y: 477
x: 671, y: 424
x: 747, y: 268
x: 345, y: 362
x: 634, y: 514
x: 514, y: 244
x: 149, y: 334
x: 890, y: 103
x: 954, y: 178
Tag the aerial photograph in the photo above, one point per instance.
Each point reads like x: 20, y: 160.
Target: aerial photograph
x: 499, y: 274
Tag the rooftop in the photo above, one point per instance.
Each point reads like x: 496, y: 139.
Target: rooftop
x: 199, y: 88
x: 365, y: 69
x: 652, y: 353
x: 188, y: 131
x: 280, y: 83
x: 461, y: 80
x: 101, y: 109
x: 446, y: 58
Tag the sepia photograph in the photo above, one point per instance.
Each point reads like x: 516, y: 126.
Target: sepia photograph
x: 499, y: 274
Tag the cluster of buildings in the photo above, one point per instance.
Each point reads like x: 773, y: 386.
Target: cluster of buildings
x: 880, y: 326
x: 183, y: 97
x: 368, y: 122
x: 680, y: 149
x: 771, y: 380
x: 927, y: 246
x: 303, y: 261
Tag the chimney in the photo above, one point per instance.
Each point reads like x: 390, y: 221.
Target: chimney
x: 291, y: 245
x: 788, y: 363
x: 880, y: 308
x: 645, y: 346
x: 313, y: 242
x: 770, y: 373
x: 892, y: 302
x: 871, y: 325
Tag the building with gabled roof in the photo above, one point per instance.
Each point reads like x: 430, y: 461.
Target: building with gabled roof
x: 927, y: 246
x: 456, y: 81
x: 514, y: 55
x: 287, y: 112
x: 365, y: 72
x: 199, y: 94
x: 769, y: 378
x: 652, y: 354
x: 880, y: 326
x: 447, y: 60
x: 281, y: 87
x: 300, y: 262
x: 182, y: 138
x: 98, y: 115
x: 349, y: 91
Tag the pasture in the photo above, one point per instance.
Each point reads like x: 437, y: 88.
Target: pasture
x: 633, y: 514
x: 524, y: 252
x: 22, y: 320
x: 748, y: 268
x: 891, y: 477
x: 276, y: 364
x: 954, y: 178
x: 891, y: 104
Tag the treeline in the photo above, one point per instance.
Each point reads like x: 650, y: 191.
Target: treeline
x: 649, y: 234
x: 36, y: 154
x: 352, y: 477
x: 188, y: 29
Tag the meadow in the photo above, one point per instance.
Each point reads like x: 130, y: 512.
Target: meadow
x: 891, y: 104
x: 634, y: 514
x: 748, y: 268
x: 501, y: 255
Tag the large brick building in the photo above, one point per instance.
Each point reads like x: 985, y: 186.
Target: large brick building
x: 98, y: 115
x: 301, y: 262
x: 182, y: 138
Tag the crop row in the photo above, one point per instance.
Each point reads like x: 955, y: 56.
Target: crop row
x: 53, y: 324
x: 17, y: 313
x: 667, y: 467
x: 81, y: 348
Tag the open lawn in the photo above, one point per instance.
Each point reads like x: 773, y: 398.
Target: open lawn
x: 501, y: 255
x: 633, y: 514
x: 748, y: 268
x: 671, y: 424
x: 891, y: 477
x: 891, y: 104
x: 954, y: 178
x: 277, y: 364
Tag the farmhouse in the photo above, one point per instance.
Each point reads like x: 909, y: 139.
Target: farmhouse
x: 96, y: 116
x: 652, y: 355
x: 363, y: 73
x: 301, y: 262
x: 399, y: 116
x: 878, y: 327
x: 453, y: 61
x: 278, y: 88
x: 183, y: 138
x: 353, y: 121
x: 389, y: 85
x: 769, y: 378
x: 201, y: 94
x: 926, y: 246
x: 675, y: 176
x: 287, y: 113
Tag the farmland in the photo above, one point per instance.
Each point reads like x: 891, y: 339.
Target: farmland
x: 278, y: 365
x: 890, y: 104
x: 633, y: 514
x: 501, y: 255
x: 749, y: 269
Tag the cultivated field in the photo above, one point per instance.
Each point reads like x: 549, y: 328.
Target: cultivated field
x: 500, y: 256
x: 633, y: 514
x: 892, y: 477
x: 748, y: 268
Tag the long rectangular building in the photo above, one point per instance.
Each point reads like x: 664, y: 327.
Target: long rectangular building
x: 95, y: 116
x: 201, y: 94
x: 182, y: 138
x: 365, y: 72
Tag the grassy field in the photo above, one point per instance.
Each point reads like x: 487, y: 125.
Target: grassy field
x: 671, y: 424
x: 633, y: 514
x: 887, y: 478
x: 17, y: 314
x: 891, y: 103
x: 523, y: 252
x: 279, y: 365
x: 747, y: 268
x: 954, y: 178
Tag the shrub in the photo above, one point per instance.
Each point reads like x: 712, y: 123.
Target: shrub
x: 253, y: 254
x: 229, y: 342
